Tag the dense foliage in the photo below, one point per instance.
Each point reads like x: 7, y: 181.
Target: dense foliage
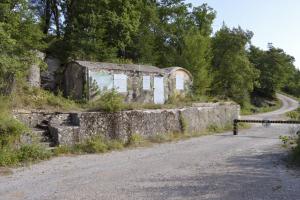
x: 163, y: 33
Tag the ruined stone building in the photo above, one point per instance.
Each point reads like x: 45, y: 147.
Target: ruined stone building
x: 137, y: 83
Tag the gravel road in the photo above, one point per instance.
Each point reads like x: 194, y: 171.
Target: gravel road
x: 223, y: 166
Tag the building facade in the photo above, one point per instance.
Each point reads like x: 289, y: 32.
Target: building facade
x: 137, y: 83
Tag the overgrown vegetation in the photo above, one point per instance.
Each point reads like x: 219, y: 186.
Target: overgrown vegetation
x: 109, y: 101
x: 11, y: 153
x: 295, y: 115
x: 34, y: 98
x: 26, y: 154
x: 292, y: 141
x: 161, y: 33
x: 267, y: 107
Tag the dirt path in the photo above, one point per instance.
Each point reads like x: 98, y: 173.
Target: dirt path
x: 248, y: 166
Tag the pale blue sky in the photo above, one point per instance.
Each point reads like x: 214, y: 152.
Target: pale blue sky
x: 275, y: 21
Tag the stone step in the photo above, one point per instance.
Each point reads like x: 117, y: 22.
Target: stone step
x: 43, y: 126
x: 40, y: 135
x: 38, y: 131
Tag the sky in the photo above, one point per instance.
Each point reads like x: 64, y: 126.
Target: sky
x: 272, y: 21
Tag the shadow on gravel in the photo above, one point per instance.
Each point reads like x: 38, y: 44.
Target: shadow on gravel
x: 250, y: 177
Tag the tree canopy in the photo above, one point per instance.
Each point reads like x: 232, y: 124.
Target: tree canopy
x: 163, y: 33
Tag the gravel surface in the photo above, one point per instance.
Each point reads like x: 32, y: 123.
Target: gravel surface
x: 223, y: 166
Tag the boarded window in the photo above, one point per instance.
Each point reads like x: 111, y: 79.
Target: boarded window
x: 159, y: 91
x: 179, y: 82
x: 146, y: 83
x: 103, y: 80
x: 120, y: 82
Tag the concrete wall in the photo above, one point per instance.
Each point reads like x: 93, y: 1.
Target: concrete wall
x: 172, y: 83
x: 75, y: 82
x: 50, y: 77
x: 71, y: 128
x: 34, y: 72
x: 134, y: 90
x: 80, y: 80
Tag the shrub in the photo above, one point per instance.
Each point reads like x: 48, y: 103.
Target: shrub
x: 294, y: 115
x: 109, y: 101
x: 93, y: 145
x: 213, y: 128
x: 35, y: 98
x: 63, y: 150
x: 135, y: 140
x: 10, y: 128
x: 31, y: 153
x: 27, y: 153
x: 115, y: 145
x: 8, y: 157
x: 159, y: 138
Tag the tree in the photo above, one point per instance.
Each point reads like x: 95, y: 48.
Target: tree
x: 275, y: 68
x: 100, y: 30
x: 20, y: 36
x: 143, y: 46
x: 197, y: 59
x: 203, y: 17
x: 49, y: 13
x: 234, y: 75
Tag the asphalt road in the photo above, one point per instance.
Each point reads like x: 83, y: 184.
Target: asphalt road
x: 223, y: 166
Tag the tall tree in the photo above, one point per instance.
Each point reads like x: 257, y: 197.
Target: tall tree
x: 49, y: 12
x: 20, y: 36
x: 196, y: 58
x: 100, y: 30
x: 275, y: 68
x: 234, y: 75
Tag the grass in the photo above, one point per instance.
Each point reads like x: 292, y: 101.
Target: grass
x: 25, y: 155
x: 11, y: 153
x: 293, y: 142
x: 38, y: 99
x: 251, y: 109
x: 295, y: 115
x: 96, y: 144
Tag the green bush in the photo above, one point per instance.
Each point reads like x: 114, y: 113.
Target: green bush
x: 10, y: 128
x: 35, y: 98
x: 135, y: 140
x: 26, y: 154
x: 8, y: 157
x: 93, y: 145
x: 213, y: 128
x: 294, y: 114
x: 109, y: 101
x: 159, y: 138
x: 115, y: 145
x: 63, y: 150
x: 31, y: 153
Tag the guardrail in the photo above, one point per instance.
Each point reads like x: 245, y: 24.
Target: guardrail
x: 263, y: 122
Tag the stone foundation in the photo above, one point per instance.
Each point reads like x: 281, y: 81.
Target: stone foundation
x: 72, y: 128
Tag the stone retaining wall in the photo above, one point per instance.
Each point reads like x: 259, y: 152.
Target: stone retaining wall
x: 71, y: 128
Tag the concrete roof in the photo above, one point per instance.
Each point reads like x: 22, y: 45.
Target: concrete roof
x: 123, y: 67
x: 170, y: 70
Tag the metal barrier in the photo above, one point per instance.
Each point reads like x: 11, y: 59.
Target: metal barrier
x: 264, y: 122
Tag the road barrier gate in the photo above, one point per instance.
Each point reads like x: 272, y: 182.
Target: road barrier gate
x: 265, y: 123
